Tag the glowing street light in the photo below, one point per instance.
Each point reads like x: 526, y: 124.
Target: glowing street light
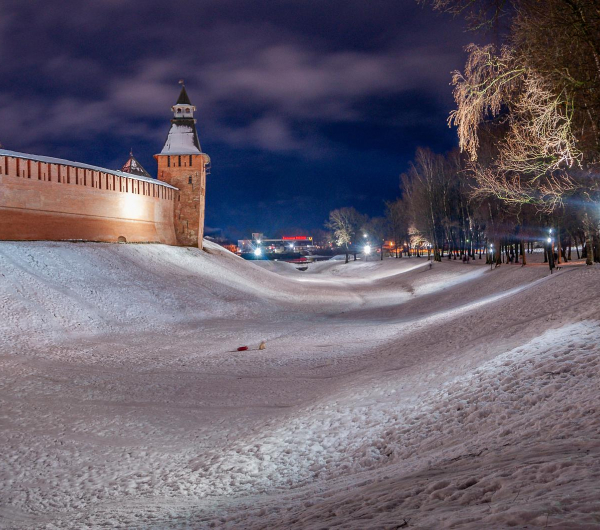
x: 258, y: 251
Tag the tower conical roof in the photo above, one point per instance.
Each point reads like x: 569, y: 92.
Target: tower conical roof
x: 134, y: 167
x: 183, y: 97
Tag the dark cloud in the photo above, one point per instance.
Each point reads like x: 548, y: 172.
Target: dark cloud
x: 305, y: 102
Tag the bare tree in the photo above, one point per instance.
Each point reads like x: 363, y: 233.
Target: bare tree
x: 426, y: 189
x: 344, y: 223
x: 479, y: 14
x: 397, y: 215
x: 539, y: 149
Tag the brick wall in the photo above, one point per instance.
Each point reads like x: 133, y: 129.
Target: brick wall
x: 46, y: 201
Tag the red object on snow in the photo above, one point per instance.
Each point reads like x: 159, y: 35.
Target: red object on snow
x: 242, y: 348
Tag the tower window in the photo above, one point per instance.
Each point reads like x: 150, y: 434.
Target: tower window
x: 190, y: 179
x: 179, y: 160
x: 190, y: 160
x: 168, y: 161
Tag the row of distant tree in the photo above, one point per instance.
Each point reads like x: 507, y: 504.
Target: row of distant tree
x: 528, y: 121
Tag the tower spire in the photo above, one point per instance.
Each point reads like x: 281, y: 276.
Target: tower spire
x: 183, y: 97
x: 183, y: 136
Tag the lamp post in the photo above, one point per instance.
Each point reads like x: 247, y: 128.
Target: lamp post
x: 491, y: 256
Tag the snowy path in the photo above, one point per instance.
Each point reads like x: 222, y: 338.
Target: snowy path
x: 455, y: 397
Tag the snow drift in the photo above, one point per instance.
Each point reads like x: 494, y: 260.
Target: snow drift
x: 389, y: 394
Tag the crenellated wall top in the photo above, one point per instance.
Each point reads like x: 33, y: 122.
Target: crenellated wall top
x: 61, y: 162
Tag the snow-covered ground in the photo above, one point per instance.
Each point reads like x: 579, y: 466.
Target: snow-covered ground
x: 389, y: 395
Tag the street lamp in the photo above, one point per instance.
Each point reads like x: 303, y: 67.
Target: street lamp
x: 258, y: 251
x: 491, y: 256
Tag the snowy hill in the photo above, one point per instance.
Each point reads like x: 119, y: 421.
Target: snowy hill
x: 389, y: 395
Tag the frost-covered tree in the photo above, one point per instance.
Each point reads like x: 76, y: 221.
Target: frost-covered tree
x: 344, y: 224
x: 540, y: 91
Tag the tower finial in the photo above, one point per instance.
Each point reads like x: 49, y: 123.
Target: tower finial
x: 181, y: 82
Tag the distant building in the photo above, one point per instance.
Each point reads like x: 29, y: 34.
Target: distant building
x: 274, y: 248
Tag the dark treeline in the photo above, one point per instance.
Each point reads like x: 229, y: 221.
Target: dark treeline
x: 528, y: 123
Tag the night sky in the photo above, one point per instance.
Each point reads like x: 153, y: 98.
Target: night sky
x: 303, y: 105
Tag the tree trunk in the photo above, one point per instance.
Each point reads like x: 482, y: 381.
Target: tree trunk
x: 589, y: 245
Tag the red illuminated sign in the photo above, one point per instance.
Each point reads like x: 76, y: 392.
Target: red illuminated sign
x: 296, y: 238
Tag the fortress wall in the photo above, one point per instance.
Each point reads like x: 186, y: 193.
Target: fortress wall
x: 47, y: 201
